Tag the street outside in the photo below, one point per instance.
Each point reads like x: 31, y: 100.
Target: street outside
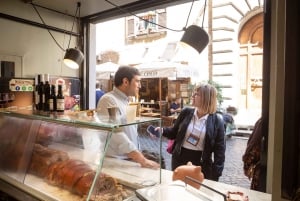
x: 233, y: 169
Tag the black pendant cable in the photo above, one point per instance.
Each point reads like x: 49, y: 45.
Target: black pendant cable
x: 196, y: 36
x: 73, y: 56
x: 193, y: 36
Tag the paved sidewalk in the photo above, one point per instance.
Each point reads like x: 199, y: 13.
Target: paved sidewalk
x: 233, y: 169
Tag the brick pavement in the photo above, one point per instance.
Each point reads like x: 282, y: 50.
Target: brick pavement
x: 233, y: 169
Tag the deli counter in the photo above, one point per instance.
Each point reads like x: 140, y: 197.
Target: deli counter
x: 62, y: 158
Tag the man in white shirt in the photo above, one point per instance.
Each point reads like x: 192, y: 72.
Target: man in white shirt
x: 127, y: 83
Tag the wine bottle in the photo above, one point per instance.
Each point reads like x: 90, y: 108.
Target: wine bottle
x: 46, y: 93
x: 36, y: 92
x: 52, y: 99
x: 41, y: 93
x: 60, y: 100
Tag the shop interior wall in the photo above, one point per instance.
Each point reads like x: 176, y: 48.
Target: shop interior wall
x: 33, y: 45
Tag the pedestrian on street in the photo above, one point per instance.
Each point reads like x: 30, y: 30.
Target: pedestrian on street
x: 199, y: 134
x: 99, y: 92
x: 251, y: 158
x: 175, y: 106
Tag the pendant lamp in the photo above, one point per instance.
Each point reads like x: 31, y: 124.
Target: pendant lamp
x: 73, y: 58
x: 195, y: 37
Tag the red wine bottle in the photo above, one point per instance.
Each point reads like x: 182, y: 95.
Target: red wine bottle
x: 60, y: 100
x: 41, y: 93
x: 46, y: 93
x: 52, y: 99
x: 36, y: 92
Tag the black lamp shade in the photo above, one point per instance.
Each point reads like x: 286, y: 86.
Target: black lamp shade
x: 196, y: 37
x: 73, y: 58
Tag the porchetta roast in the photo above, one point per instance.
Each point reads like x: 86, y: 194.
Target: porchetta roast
x: 73, y: 175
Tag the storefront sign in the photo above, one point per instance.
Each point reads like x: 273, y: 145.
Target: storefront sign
x: 156, y: 73
x: 149, y: 74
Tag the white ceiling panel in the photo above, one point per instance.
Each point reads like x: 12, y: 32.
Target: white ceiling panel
x: 88, y: 7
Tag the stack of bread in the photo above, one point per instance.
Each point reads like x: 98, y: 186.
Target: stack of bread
x: 73, y: 175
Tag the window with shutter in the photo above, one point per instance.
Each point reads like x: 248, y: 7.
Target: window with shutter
x: 130, y: 27
x: 162, y: 19
x: 145, y: 25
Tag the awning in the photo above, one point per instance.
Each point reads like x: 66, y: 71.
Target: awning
x: 168, y: 69
x: 106, y: 70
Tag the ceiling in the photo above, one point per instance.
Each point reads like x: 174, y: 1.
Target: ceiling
x: 88, y: 7
x: 92, y: 9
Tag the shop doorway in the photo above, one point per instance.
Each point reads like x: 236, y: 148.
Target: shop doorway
x: 251, y: 63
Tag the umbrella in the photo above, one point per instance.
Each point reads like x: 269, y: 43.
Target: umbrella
x: 105, y: 70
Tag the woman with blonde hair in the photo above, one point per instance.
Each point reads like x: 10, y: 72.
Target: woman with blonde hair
x: 199, y: 134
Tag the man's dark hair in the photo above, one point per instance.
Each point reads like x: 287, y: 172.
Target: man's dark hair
x: 125, y: 72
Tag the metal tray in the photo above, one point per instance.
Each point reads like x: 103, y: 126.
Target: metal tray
x: 178, y: 191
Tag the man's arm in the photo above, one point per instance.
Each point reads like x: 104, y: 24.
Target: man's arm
x: 120, y: 144
x: 139, y: 158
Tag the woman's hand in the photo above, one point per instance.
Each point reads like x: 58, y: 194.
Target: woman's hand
x: 159, y: 130
x: 154, y: 132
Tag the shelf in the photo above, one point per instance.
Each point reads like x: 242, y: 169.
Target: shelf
x: 79, y: 118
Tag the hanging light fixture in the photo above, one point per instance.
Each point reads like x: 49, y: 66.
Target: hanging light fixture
x: 73, y: 56
x: 195, y: 36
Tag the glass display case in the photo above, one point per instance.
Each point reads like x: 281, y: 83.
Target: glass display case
x: 65, y: 157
